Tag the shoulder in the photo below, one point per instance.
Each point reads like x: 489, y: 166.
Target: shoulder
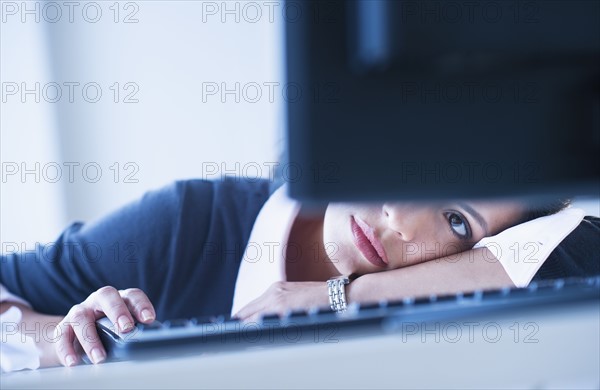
x: 233, y: 203
x: 578, y: 255
x: 181, y: 192
x: 184, y: 206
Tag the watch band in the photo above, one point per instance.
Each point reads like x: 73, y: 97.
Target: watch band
x: 337, y: 293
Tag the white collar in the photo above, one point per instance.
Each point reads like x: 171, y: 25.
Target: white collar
x: 263, y: 262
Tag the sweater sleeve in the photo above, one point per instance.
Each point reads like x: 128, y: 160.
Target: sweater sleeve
x: 158, y: 244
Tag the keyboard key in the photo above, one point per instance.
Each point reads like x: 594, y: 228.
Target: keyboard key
x: 369, y: 306
x: 395, y: 304
x: 270, y: 317
x: 446, y: 298
x: 491, y: 294
x: 520, y: 291
x: 221, y: 318
x: 545, y: 284
x: 151, y: 326
x: 559, y: 284
x: 297, y: 314
x: 468, y: 295
x: 232, y: 321
x: 322, y: 311
x: 207, y: 320
x: 422, y: 301
x: 177, y: 323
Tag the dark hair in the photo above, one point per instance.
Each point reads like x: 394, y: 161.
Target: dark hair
x: 537, y: 209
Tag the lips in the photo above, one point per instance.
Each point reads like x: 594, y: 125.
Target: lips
x: 366, y: 242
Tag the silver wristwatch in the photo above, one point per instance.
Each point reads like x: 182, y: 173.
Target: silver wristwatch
x: 337, y: 293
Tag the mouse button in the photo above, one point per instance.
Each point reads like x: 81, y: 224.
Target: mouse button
x: 107, y: 326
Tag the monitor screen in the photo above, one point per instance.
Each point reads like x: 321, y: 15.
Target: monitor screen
x: 428, y: 99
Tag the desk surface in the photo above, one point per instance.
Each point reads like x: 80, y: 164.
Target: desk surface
x: 541, y: 349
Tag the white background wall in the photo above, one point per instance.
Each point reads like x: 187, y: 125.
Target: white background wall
x: 168, y: 54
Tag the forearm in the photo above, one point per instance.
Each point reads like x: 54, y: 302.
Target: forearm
x: 40, y: 328
x: 466, y: 271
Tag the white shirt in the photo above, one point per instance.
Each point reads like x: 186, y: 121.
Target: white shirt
x: 521, y: 250
x: 264, y: 258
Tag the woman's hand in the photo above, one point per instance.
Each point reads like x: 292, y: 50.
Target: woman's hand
x: 122, y: 307
x: 284, y: 296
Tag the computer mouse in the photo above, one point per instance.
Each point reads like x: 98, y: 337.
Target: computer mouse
x: 112, y: 338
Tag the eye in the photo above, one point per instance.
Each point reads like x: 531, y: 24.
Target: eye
x: 458, y: 224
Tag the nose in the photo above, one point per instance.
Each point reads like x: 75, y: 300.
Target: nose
x: 402, y: 218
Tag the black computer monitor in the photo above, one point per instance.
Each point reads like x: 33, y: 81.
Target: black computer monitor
x: 432, y: 99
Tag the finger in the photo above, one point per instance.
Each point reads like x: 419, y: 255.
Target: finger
x: 138, y: 304
x: 242, y: 314
x: 248, y: 310
x: 267, y: 302
x: 255, y: 314
x: 82, y: 321
x: 253, y: 319
x: 78, y: 348
x: 107, y: 300
x: 64, y: 338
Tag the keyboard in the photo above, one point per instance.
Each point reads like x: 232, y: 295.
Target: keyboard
x: 179, y: 337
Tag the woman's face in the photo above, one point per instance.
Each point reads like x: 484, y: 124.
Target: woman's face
x: 365, y: 238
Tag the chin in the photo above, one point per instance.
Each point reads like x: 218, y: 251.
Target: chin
x: 349, y: 260
x: 336, y: 229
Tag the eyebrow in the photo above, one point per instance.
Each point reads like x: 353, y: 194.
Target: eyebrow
x: 476, y: 216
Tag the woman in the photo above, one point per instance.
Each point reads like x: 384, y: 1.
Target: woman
x: 177, y: 253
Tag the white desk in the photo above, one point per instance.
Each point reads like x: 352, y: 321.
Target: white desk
x: 566, y: 354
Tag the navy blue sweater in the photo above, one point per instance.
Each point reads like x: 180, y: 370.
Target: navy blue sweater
x: 183, y: 245
x: 578, y: 255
